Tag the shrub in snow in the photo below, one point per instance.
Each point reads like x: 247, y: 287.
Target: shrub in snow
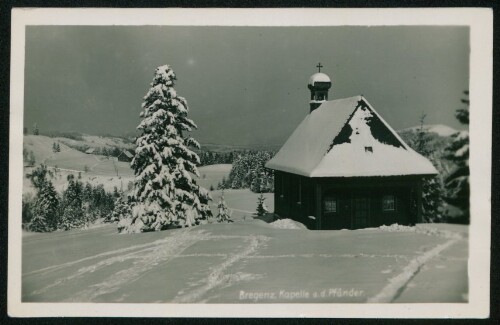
x: 165, y: 194
x: 122, y: 209
x: 261, y: 205
x: 457, y: 183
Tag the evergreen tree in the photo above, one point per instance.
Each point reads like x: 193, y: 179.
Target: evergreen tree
x: 165, y: 193
x: 73, y: 210
x: 432, y: 188
x: 261, y: 205
x: 457, y: 183
x: 46, y: 203
x: 45, y: 209
x: 223, y: 211
x: 36, y: 131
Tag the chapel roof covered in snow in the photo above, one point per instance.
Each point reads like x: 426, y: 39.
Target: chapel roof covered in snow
x: 348, y: 138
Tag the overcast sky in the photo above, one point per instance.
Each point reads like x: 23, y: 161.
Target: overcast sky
x: 244, y: 85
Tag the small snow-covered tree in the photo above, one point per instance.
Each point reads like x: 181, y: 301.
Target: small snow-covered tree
x: 223, y: 211
x: 164, y: 190
x: 457, y: 182
x: 261, y: 205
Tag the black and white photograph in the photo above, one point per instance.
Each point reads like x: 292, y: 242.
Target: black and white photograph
x: 183, y: 162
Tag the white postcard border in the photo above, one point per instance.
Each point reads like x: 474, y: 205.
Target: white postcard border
x: 480, y: 21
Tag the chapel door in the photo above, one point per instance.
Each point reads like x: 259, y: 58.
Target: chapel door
x: 336, y: 210
x: 361, y: 212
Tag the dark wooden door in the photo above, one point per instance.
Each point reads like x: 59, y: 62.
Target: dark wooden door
x: 361, y: 213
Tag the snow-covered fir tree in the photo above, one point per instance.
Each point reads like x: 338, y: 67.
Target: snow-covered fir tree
x: 45, y: 207
x: 165, y: 193
x: 261, y: 205
x: 73, y: 210
x: 432, y: 188
x: 457, y: 183
x: 223, y: 211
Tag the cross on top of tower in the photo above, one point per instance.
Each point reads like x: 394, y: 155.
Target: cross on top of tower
x: 319, y: 66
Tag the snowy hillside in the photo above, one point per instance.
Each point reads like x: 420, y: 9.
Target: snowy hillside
x: 439, y: 129
x: 94, y: 169
x: 248, y: 262
x: 77, y: 140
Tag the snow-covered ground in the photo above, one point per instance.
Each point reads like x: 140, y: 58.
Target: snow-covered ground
x: 212, y: 175
x: 246, y: 262
x: 242, y: 203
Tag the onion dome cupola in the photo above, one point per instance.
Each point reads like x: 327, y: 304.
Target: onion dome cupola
x: 319, y: 84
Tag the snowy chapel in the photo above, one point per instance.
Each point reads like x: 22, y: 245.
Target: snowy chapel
x: 345, y: 167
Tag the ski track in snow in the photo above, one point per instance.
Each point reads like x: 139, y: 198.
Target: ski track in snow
x: 146, y: 260
x: 113, y: 252
x: 397, y: 284
x: 144, y: 257
x: 310, y: 255
x: 217, y: 277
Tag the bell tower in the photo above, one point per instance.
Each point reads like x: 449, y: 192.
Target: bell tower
x: 319, y: 84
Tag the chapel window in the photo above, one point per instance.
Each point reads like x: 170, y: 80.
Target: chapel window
x: 388, y: 203
x: 330, y: 204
